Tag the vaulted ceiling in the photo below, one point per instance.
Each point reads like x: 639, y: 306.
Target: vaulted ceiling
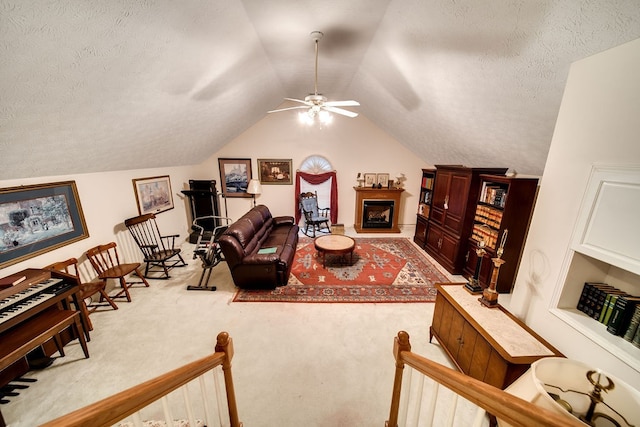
x: 93, y: 85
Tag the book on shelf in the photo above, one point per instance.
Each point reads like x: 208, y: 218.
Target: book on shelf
x: 636, y: 338
x: 599, y: 297
x: 12, y: 280
x: 584, y: 296
x: 429, y: 183
x: 609, y: 308
x: 493, y: 194
x: 609, y: 303
x: 592, y: 293
x: 632, y: 329
x: 621, y: 314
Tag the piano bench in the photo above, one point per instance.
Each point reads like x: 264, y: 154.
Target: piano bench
x: 18, y: 341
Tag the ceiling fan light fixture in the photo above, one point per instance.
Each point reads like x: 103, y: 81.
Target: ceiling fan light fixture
x: 314, y: 113
x: 317, y: 104
x: 325, y: 117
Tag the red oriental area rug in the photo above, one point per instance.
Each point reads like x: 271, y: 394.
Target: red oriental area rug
x: 384, y: 270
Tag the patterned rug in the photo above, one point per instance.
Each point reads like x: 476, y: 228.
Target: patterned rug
x: 383, y: 270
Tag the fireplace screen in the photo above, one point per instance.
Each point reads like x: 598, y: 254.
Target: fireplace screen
x: 377, y: 214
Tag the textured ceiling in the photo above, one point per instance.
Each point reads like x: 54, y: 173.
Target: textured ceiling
x: 93, y: 85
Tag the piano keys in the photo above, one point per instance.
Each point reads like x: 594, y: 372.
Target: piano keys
x: 41, y: 289
x: 17, y: 304
x: 33, y: 312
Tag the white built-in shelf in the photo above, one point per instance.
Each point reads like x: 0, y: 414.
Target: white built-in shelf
x: 605, y: 249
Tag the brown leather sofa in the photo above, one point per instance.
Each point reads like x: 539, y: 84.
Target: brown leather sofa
x: 252, y: 268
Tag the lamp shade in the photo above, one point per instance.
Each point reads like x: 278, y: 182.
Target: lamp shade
x: 567, y: 381
x: 254, y: 187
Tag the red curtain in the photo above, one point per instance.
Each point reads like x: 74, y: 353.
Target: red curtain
x: 316, y: 179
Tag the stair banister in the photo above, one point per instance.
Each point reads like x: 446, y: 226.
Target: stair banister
x: 499, y: 403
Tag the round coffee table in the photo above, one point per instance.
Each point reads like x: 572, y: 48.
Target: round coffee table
x: 334, y: 244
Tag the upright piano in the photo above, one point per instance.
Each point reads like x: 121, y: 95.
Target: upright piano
x: 33, y: 298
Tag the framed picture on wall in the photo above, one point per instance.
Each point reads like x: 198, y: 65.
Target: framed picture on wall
x: 153, y: 194
x: 275, y: 171
x: 35, y: 219
x: 234, y: 176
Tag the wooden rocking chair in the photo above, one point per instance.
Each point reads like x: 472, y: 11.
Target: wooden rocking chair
x: 158, y: 250
x: 315, y: 218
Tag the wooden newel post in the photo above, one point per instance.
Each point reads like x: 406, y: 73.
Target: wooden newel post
x: 224, y: 343
x: 400, y: 343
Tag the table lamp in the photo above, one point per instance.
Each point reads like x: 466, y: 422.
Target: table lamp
x: 575, y: 389
x: 254, y: 188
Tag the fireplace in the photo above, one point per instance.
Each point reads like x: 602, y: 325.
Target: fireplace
x: 377, y: 213
x: 377, y: 210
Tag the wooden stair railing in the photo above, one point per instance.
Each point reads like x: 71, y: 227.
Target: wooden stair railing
x: 504, y: 406
x: 117, y: 407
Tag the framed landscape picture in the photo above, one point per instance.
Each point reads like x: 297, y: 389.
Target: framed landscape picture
x: 153, y: 194
x: 234, y: 176
x: 35, y: 219
x: 275, y: 171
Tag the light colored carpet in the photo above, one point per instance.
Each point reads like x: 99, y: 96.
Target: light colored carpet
x: 294, y: 365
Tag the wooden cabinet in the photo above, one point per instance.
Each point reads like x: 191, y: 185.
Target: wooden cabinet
x: 455, y: 196
x: 420, y: 235
x: 445, y: 245
x: 488, y: 344
x: 502, y: 213
x: 424, y: 206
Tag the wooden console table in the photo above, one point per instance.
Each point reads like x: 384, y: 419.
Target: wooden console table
x: 489, y: 344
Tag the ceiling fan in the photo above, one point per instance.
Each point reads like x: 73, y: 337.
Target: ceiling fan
x: 316, y: 103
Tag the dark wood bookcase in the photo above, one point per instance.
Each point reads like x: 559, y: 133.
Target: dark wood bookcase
x: 504, y: 205
x: 455, y: 196
x: 424, y: 206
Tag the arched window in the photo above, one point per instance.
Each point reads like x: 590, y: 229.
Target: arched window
x: 316, y: 165
x: 316, y: 174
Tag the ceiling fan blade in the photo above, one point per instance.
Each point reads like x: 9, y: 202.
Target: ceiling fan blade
x: 340, y: 111
x: 289, y: 108
x: 298, y: 100
x: 342, y: 104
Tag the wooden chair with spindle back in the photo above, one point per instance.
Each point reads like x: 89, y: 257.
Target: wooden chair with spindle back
x: 315, y: 218
x: 106, y: 262
x: 86, y: 290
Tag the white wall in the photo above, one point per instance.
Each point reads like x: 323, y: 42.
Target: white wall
x: 108, y: 199
x: 351, y: 145
x: 598, y: 123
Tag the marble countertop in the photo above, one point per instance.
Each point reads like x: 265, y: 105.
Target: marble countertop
x: 510, y: 335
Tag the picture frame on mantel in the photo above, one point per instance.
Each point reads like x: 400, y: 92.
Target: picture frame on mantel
x: 39, y: 218
x: 370, y: 179
x: 235, y: 175
x: 382, y: 179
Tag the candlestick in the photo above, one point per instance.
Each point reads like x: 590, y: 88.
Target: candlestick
x: 473, y: 285
x: 500, y: 250
x: 489, y: 295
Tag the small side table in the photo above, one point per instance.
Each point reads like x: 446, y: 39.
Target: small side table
x: 334, y: 244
